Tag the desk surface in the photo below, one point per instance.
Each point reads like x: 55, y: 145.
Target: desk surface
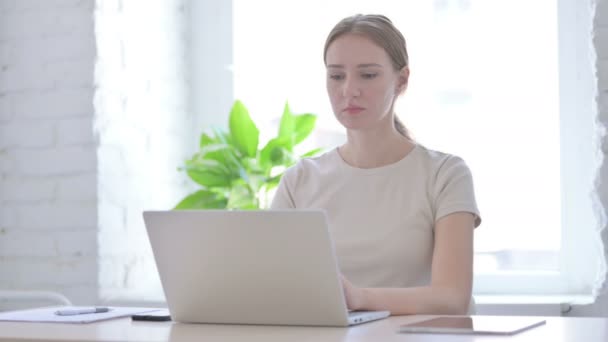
x: 557, y: 329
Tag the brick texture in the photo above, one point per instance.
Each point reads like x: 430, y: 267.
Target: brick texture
x: 48, y: 164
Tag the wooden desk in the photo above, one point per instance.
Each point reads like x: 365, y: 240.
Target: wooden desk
x: 557, y: 329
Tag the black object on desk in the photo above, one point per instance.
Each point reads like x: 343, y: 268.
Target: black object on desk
x: 154, y: 316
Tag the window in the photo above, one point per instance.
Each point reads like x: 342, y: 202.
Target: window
x: 486, y: 82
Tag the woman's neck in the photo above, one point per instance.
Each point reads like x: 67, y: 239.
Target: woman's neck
x: 371, y: 149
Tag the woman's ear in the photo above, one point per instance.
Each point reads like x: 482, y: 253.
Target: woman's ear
x: 402, y: 80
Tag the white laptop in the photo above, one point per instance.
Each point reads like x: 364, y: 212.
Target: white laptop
x: 250, y: 267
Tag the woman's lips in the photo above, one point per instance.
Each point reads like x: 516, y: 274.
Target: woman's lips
x: 353, y: 109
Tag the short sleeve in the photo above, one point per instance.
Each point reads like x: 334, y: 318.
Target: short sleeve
x: 283, y: 197
x: 454, y: 191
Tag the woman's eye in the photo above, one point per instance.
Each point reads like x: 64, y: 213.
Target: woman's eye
x: 369, y: 75
x: 336, y: 77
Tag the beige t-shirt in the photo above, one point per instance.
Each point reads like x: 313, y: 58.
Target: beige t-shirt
x: 382, y: 219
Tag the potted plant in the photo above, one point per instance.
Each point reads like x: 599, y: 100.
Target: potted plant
x: 231, y: 169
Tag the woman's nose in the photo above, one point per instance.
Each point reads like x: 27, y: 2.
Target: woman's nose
x: 350, y: 88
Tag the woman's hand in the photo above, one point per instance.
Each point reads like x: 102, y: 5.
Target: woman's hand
x: 354, y: 296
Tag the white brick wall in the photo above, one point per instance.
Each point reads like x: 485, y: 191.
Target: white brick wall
x: 48, y: 208
x: 39, y: 134
x: 66, y: 102
x: 6, y: 108
x: 145, y: 131
x: 51, y: 162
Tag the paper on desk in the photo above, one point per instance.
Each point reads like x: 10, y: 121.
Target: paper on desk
x: 47, y: 315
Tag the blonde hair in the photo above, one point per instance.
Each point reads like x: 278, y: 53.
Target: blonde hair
x: 381, y: 31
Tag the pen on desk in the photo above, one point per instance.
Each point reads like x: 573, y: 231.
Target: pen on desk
x: 83, y: 311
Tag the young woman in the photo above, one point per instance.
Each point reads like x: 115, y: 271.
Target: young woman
x: 401, y: 215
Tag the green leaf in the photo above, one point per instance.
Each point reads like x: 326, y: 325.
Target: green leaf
x: 311, y: 153
x: 225, y: 154
x: 215, y: 151
x: 203, y: 199
x: 208, y: 179
x: 272, y: 182
x: 228, y: 155
x: 288, y: 158
x: 256, y: 182
x: 305, y: 123
x: 231, y: 170
x: 277, y: 155
x: 222, y: 137
x: 208, y: 173
x: 287, y: 127
x: 207, y: 140
x: 270, y: 154
x: 243, y: 130
x: 241, y: 197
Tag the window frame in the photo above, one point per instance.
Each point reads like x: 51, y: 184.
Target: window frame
x: 580, y: 214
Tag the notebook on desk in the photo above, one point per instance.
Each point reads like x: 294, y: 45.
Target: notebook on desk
x: 250, y: 267
x: 49, y: 314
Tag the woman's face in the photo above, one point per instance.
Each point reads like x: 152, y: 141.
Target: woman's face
x: 361, y: 82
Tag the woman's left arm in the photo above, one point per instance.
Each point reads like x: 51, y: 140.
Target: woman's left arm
x: 451, y: 276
